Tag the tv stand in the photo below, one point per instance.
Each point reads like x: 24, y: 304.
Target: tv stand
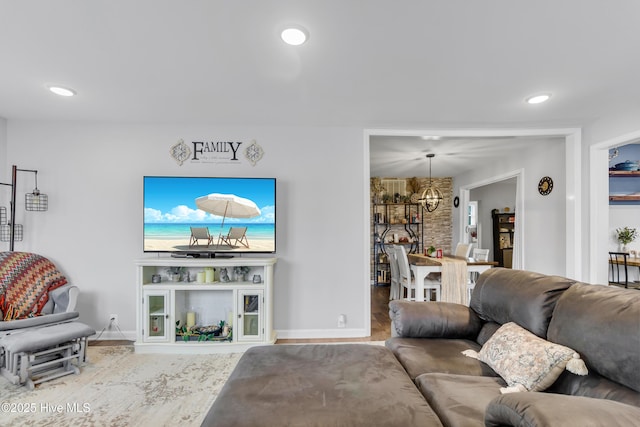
x: 244, y: 304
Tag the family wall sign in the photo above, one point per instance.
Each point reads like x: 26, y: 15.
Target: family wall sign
x: 229, y: 152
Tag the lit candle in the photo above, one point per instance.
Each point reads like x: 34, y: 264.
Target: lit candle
x: 191, y: 319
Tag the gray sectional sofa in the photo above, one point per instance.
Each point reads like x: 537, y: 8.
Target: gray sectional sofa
x: 426, y: 377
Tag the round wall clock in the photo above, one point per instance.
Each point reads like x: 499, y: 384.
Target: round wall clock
x: 456, y: 201
x: 545, y: 185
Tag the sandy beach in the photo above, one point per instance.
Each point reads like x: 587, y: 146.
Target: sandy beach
x: 255, y: 244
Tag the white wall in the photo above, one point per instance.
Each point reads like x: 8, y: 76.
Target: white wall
x: 93, y: 229
x: 544, y: 216
x: 5, y: 176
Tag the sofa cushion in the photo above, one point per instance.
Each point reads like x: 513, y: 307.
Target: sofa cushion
x: 25, y: 282
x: 439, y: 355
x: 320, y: 385
x: 413, y: 319
x: 523, y: 359
x: 602, y: 323
x: 503, y: 295
x: 546, y: 409
x: 459, y: 400
x: 594, y: 385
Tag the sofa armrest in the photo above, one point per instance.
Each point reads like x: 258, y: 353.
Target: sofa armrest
x: 547, y: 409
x: 48, y: 319
x: 64, y: 299
x: 412, y: 319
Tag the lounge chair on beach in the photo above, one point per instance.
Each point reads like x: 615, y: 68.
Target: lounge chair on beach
x: 239, y: 234
x: 200, y: 233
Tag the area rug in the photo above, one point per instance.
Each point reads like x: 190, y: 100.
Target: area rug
x: 120, y: 388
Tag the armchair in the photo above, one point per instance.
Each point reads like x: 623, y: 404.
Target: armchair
x: 39, y: 336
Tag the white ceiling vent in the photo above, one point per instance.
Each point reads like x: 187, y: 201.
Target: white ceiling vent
x: 393, y: 186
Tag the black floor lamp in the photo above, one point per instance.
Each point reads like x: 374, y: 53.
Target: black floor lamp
x: 34, y: 201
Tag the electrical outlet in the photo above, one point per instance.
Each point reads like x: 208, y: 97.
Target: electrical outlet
x: 342, y: 321
x: 113, y: 319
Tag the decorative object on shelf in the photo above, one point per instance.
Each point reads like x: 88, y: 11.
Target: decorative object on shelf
x: 625, y: 236
x: 224, y: 275
x: 156, y: 278
x: 431, y: 196
x: 191, y: 319
x: 257, y: 278
x: 413, y: 186
x: 628, y: 166
x: 34, y: 201
x: 192, y: 332
x: 456, y: 202
x: 241, y: 272
x: 377, y: 189
x: 175, y: 273
x: 209, y: 274
x: 200, y: 277
x: 545, y: 186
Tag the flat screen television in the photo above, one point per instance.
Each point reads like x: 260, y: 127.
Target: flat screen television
x: 208, y: 215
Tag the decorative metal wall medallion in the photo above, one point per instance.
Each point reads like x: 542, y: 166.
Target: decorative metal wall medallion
x: 253, y: 152
x: 180, y: 152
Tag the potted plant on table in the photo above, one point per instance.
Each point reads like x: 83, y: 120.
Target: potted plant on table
x: 625, y: 236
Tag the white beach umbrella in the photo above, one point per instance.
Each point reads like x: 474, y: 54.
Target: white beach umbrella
x: 228, y: 205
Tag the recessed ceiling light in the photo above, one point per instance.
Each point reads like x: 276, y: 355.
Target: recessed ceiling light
x: 294, y: 35
x: 538, y: 99
x: 62, y: 91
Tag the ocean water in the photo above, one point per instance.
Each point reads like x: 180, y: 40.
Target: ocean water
x: 183, y: 231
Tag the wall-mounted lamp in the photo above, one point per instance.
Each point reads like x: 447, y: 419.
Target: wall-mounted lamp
x: 34, y: 201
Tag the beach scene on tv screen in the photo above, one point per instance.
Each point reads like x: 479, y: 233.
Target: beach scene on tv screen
x: 209, y: 214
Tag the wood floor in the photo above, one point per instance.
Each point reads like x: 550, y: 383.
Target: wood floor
x: 380, y: 323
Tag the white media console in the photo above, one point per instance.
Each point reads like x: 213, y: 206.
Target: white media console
x: 204, y: 314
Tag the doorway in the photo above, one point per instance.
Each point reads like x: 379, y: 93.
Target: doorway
x: 599, y: 205
x: 572, y: 149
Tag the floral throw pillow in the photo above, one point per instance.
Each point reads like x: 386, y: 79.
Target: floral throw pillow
x: 525, y: 361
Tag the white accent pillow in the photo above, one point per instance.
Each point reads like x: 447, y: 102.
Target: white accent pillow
x: 525, y: 361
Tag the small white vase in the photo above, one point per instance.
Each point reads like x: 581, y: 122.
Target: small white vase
x: 623, y: 247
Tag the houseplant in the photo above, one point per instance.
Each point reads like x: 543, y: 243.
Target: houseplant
x: 625, y: 236
x: 241, y: 272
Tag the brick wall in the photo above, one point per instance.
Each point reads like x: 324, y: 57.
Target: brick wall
x: 437, y: 225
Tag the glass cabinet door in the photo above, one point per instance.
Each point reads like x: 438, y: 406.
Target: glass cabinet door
x: 250, y: 327
x: 156, y: 319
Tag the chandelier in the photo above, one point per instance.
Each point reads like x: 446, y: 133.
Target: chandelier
x: 432, y: 196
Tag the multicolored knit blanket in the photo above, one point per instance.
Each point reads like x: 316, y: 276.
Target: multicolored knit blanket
x: 25, y: 282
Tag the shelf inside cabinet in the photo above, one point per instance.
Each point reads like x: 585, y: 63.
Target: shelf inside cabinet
x: 625, y: 174
x: 627, y: 198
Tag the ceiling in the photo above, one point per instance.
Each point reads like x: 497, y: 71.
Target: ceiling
x: 405, y: 156
x: 367, y: 63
